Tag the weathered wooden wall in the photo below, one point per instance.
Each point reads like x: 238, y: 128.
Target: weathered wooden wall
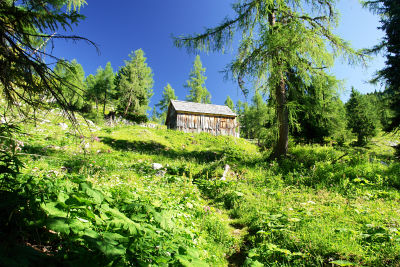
x: 196, y: 123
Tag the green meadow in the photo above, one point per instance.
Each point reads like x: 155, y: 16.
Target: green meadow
x: 147, y: 196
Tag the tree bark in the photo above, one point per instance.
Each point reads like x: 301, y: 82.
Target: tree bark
x: 281, y: 147
x: 105, y: 100
x: 283, y: 119
x: 128, y: 105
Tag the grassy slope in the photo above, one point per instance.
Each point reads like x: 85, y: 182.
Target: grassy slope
x: 320, y: 205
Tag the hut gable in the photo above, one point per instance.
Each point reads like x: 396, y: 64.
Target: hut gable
x: 197, y: 117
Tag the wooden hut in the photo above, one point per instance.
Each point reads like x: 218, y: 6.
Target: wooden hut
x: 191, y: 117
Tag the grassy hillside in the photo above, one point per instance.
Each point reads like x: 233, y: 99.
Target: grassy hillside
x: 137, y: 196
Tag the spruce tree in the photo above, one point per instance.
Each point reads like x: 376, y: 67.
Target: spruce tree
x: 134, y: 85
x: 276, y: 38
x: 196, y: 84
x: 168, y: 95
x: 319, y: 112
x: 361, y: 117
x: 389, y: 11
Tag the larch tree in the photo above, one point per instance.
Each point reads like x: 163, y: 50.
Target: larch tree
x: 100, y: 87
x: 107, y: 84
x: 134, y: 85
x: 196, y: 84
x: 91, y: 94
x: 168, y: 95
x: 277, y: 37
x: 229, y: 103
x: 72, y: 75
x: 389, y: 11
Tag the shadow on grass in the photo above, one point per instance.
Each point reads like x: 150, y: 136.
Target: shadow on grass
x: 39, y: 150
x: 155, y: 148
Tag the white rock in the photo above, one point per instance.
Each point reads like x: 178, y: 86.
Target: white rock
x: 227, y: 168
x: 63, y: 125
x: 156, y: 166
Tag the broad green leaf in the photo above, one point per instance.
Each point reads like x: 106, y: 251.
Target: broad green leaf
x: 59, y: 224
x: 343, y: 263
x: 78, y: 226
x: 51, y: 208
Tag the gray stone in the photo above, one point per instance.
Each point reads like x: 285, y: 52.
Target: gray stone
x: 156, y: 166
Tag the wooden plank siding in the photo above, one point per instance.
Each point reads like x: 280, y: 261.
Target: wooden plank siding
x: 216, y: 125
x: 193, y: 117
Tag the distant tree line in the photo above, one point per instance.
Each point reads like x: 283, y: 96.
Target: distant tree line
x: 127, y: 92
x: 317, y: 116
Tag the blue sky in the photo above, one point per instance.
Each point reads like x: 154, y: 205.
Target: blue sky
x: 120, y: 27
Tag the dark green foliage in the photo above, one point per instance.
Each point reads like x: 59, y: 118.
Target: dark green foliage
x: 361, y: 116
x: 317, y: 110
x: 389, y: 11
x: 196, y: 84
x: 134, y: 86
x: 380, y: 101
x: 90, y: 226
x: 9, y: 147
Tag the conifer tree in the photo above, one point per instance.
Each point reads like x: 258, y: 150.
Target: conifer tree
x: 101, y: 87
x: 134, y: 85
x: 196, y: 84
x: 257, y: 120
x: 319, y: 112
x: 72, y: 75
x: 277, y: 37
x: 229, y: 103
x: 107, y: 84
x: 362, y: 119
x: 389, y: 11
x: 168, y: 95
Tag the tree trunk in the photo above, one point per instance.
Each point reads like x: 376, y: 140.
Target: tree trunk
x: 128, y: 105
x: 105, y: 100
x: 281, y: 147
x: 283, y: 120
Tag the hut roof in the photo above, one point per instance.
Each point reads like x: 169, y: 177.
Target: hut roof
x: 193, y: 107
